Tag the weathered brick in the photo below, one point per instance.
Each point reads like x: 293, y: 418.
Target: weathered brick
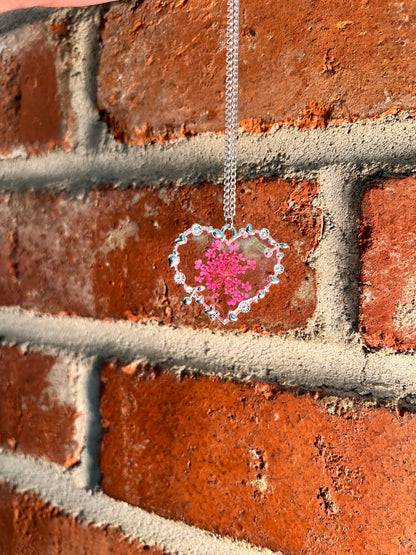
x: 36, y: 405
x: 31, y: 108
x: 388, y: 255
x: 29, y: 525
x: 307, y: 64
x: 106, y: 256
x: 299, y: 473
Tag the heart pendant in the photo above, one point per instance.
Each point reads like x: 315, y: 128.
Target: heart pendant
x: 225, y: 276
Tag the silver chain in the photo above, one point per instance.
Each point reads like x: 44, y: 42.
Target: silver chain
x: 231, y: 105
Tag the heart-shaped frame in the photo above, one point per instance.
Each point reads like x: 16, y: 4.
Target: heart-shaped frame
x: 227, y: 258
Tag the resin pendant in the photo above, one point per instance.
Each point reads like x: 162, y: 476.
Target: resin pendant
x: 226, y: 275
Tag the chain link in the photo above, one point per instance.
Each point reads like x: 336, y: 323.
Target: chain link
x: 231, y: 105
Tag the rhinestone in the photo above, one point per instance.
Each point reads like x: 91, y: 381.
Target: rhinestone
x: 196, y: 229
x: 278, y: 269
x: 245, y: 306
x: 187, y: 300
x: 232, y: 316
x: 264, y: 233
x: 179, y: 278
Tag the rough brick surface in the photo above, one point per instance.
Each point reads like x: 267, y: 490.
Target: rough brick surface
x: 388, y: 273
x: 301, y: 474
x: 28, y: 525
x: 303, y: 63
x: 36, y: 405
x: 31, y: 107
x: 106, y: 256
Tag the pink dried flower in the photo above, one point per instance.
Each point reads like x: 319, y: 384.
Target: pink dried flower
x: 223, y: 266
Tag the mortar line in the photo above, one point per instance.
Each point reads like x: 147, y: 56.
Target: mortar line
x: 88, y: 424
x: 386, y: 146
x: 284, y: 360
x: 56, y: 486
x: 83, y: 78
x: 336, y: 258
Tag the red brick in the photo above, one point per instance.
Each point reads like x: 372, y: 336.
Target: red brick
x: 293, y: 472
x: 107, y: 256
x: 31, y: 108
x: 37, y: 418
x: 28, y: 525
x: 307, y: 64
x: 388, y: 254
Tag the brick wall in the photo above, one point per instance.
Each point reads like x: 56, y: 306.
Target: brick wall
x: 131, y: 423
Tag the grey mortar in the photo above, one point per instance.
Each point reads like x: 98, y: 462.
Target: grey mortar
x: 90, y: 131
x: 382, y: 147
x: 336, y: 259
x: 338, y: 157
x: 56, y: 486
x: 341, y: 157
x: 313, y: 364
x: 88, y: 424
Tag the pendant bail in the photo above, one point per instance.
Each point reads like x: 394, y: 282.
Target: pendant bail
x: 228, y: 227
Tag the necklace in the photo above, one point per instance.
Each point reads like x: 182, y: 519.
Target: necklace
x: 227, y: 275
